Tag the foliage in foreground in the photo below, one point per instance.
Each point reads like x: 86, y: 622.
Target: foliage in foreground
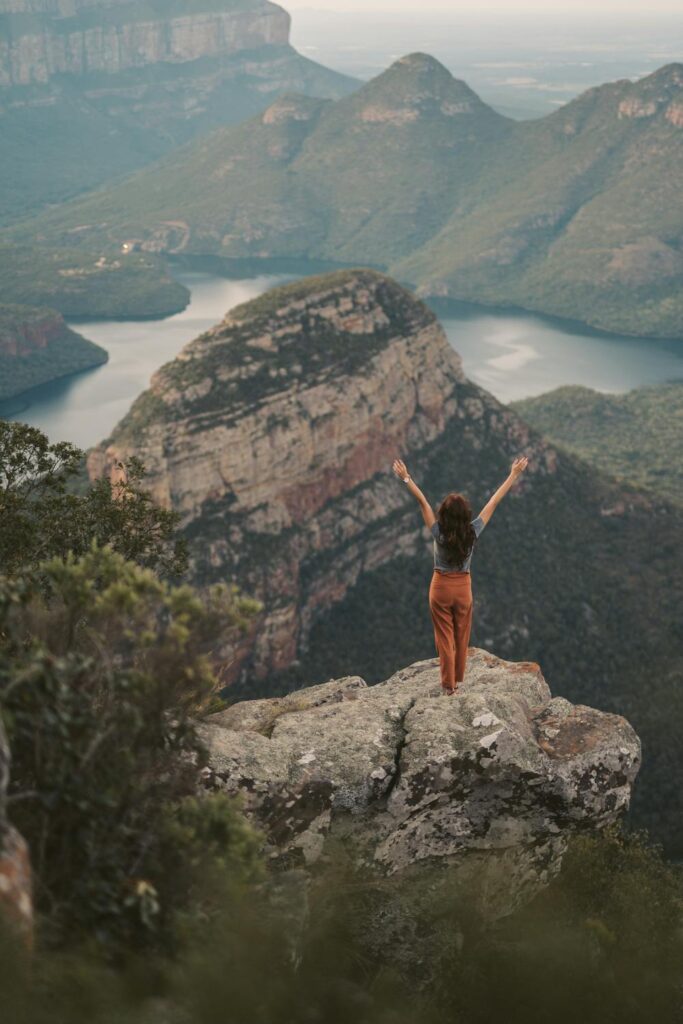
x: 155, y: 907
x: 41, y: 518
x: 603, y: 944
x: 102, y: 668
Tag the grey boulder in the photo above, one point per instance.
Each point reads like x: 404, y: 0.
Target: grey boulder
x: 500, y: 773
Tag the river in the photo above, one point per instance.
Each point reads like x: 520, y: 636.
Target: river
x: 511, y: 354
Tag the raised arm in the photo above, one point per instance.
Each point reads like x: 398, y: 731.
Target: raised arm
x: 425, y: 508
x: 516, y: 470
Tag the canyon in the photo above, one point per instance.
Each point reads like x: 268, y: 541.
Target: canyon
x: 91, y: 91
x: 575, y: 214
x: 272, y: 435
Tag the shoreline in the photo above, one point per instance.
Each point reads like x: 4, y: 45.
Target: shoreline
x: 243, y: 268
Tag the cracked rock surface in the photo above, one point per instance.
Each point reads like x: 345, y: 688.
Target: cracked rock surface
x: 502, y: 768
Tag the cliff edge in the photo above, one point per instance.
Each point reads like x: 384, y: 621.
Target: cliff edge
x: 491, y: 782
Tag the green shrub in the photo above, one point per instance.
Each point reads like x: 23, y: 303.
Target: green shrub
x: 41, y: 518
x: 102, y: 668
x: 355, y: 946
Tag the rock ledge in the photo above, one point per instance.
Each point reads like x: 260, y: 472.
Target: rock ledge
x: 503, y: 769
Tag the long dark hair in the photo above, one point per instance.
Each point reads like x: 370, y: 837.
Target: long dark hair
x: 454, y: 517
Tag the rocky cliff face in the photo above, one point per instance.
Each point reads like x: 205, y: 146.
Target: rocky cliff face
x: 111, y: 37
x: 15, y: 867
x: 90, y: 91
x: 37, y: 346
x: 491, y: 782
x: 22, y: 335
x: 272, y: 435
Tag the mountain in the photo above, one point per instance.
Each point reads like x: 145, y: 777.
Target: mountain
x: 636, y: 436
x: 580, y: 215
x: 576, y: 214
x: 306, y: 175
x: 36, y: 346
x: 273, y: 434
x: 92, y: 89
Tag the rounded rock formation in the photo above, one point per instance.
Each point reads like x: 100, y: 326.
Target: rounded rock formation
x: 491, y: 782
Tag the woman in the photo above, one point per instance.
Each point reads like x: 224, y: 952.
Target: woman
x: 450, y: 594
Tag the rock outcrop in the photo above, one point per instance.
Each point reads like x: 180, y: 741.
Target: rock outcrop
x: 92, y: 90
x: 15, y: 868
x: 492, y: 781
x: 37, y: 346
x: 272, y: 435
x: 22, y: 335
x: 41, y: 41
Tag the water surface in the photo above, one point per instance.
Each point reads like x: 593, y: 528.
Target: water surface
x: 84, y: 407
x: 516, y: 355
x: 511, y: 354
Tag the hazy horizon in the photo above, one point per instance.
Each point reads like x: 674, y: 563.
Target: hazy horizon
x: 525, y: 60
x: 576, y: 7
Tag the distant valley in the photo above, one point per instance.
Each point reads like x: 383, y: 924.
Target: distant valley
x: 272, y: 433
x: 577, y: 214
x: 637, y: 437
x: 92, y: 89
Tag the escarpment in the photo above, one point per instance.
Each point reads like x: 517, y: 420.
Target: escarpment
x: 41, y: 41
x: 489, y: 784
x: 37, y: 346
x: 21, y: 335
x: 273, y: 434
x: 93, y: 90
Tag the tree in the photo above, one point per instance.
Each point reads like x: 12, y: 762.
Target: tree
x: 42, y: 515
x: 103, y: 668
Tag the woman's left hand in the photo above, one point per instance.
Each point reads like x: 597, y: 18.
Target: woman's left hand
x: 400, y: 469
x: 518, y: 467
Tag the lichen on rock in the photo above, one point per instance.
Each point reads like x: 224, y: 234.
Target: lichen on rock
x: 501, y: 774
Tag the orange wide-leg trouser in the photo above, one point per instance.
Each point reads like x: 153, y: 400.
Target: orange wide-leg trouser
x: 450, y: 602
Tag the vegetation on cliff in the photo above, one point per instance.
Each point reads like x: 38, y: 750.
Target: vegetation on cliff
x: 575, y: 214
x: 636, y: 436
x: 79, y: 283
x: 95, y: 91
x: 43, y: 517
x: 103, y: 668
x: 289, y: 413
x: 152, y: 903
x: 36, y: 346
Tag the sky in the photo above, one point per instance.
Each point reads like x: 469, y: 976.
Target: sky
x: 581, y: 7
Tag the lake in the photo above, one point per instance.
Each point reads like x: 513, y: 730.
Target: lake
x: 512, y: 354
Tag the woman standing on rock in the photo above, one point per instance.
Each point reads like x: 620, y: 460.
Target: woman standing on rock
x: 450, y: 594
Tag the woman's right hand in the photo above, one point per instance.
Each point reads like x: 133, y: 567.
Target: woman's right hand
x: 400, y: 469
x: 518, y: 466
